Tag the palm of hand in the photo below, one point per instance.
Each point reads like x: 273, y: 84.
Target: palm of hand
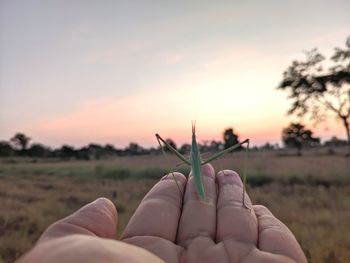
x: 218, y: 230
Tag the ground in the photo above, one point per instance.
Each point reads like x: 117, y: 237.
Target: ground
x: 310, y: 194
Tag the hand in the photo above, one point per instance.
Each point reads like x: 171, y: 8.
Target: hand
x: 218, y: 230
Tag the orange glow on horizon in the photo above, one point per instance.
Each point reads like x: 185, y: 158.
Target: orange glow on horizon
x: 130, y: 119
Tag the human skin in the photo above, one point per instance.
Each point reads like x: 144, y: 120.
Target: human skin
x: 173, y: 228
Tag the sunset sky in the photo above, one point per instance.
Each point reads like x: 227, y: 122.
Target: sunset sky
x: 118, y: 71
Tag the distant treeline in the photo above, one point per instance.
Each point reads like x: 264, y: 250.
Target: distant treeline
x: 19, y: 145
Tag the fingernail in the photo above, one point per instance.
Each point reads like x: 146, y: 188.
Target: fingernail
x: 164, y: 177
x: 226, y: 174
x: 231, y: 177
x: 236, y: 179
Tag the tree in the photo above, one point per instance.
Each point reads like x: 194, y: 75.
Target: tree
x: 83, y: 153
x: 133, y: 149
x: 67, y: 152
x: 216, y: 146
x: 171, y: 143
x: 20, y: 140
x: 6, y: 149
x: 109, y: 149
x: 185, y: 148
x: 297, y: 136
x: 38, y: 150
x: 95, y: 150
x: 211, y: 146
x: 230, y: 138
x: 317, y: 92
x: 267, y: 147
x: 335, y: 142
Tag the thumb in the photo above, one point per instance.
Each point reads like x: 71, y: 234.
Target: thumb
x: 98, y: 218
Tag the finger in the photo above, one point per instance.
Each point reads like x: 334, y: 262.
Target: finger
x: 198, y: 217
x: 234, y: 220
x: 275, y: 237
x: 159, y: 212
x: 98, y: 218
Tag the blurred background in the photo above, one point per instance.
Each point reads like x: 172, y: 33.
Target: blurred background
x: 85, y: 85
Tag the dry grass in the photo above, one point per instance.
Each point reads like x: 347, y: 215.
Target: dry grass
x: 29, y: 204
x: 35, y: 194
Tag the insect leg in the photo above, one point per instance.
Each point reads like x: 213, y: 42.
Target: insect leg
x: 219, y: 154
x: 160, y: 139
x: 179, y: 155
x: 245, y: 175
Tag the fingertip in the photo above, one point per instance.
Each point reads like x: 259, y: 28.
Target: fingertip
x: 103, y: 201
x: 229, y: 177
x: 175, y: 175
x: 109, y: 207
x: 261, y: 210
x: 159, y: 211
x: 98, y: 218
x: 275, y: 237
x: 208, y: 170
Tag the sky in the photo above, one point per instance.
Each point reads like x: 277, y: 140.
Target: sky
x: 75, y: 72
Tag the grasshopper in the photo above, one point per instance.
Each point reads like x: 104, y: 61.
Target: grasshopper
x: 195, y: 161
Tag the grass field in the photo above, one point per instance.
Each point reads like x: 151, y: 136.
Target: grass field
x: 310, y: 194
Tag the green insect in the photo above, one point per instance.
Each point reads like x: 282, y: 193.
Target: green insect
x: 195, y: 161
